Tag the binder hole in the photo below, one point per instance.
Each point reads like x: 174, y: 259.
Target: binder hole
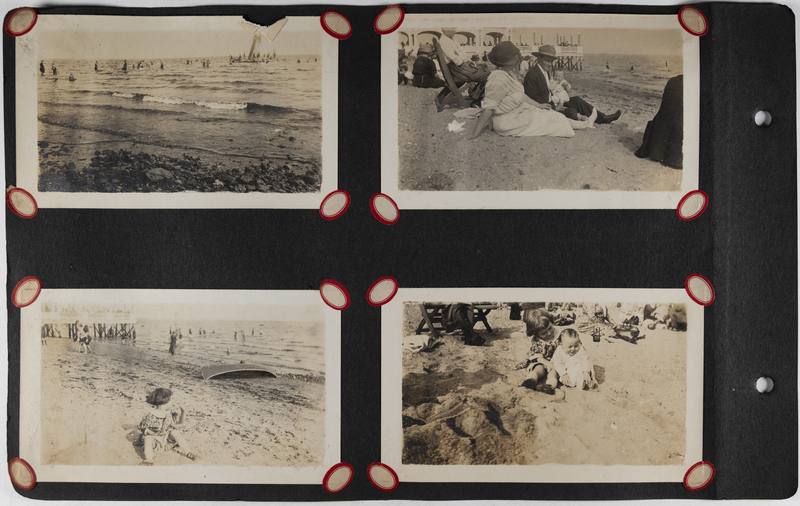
x: 764, y: 385
x: 763, y: 119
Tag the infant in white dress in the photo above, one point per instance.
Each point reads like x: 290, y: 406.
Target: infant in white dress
x: 572, y: 363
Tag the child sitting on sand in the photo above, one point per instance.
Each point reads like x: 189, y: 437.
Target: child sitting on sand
x: 543, y: 345
x: 572, y: 363
x: 158, y: 426
x: 559, y: 87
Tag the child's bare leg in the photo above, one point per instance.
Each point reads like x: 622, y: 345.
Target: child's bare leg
x: 537, y: 373
x: 552, y: 379
x: 178, y: 437
x: 148, y: 448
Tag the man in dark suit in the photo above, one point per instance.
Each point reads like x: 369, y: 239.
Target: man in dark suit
x: 537, y: 87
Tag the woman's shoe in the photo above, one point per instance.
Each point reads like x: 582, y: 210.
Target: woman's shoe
x: 190, y: 456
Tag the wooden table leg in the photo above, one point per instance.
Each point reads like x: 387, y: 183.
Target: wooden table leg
x: 427, y: 319
x: 481, y: 317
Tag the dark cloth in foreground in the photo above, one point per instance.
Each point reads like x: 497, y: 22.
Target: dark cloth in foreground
x: 663, y: 136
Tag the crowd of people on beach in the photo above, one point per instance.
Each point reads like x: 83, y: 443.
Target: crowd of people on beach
x: 80, y: 333
x: 520, y: 97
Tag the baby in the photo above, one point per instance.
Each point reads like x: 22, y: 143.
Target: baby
x: 571, y: 362
x: 558, y: 88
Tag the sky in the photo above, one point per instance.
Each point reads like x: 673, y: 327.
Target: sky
x: 603, y: 40
x: 137, y: 38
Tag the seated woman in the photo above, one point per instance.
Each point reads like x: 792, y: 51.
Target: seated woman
x: 512, y: 112
x: 425, y: 70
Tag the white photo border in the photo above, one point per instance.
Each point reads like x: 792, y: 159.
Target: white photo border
x: 392, y: 374
x: 539, y: 199
x: 30, y: 436
x: 27, y: 169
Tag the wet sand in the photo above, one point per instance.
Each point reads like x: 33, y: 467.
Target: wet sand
x: 432, y: 158
x: 92, y: 403
x: 464, y: 405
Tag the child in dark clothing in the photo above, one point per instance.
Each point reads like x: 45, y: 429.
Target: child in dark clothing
x: 425, y: 69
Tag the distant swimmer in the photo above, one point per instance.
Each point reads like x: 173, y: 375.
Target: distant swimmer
x: 235, y: 336
x: 95, y: 66
x: 71, y: 77
x: 55, y: 70
x: 608, y: 66
x: 190, y: 332
x: 253, y: 332
x: 162, y: 65
x: 298, y: 61
x: 41, y: 67
x: 125, y: 66
x: 631, y: 68
x: 228, y: 350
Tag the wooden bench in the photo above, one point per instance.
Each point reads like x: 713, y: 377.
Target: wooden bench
x: 433, y: 319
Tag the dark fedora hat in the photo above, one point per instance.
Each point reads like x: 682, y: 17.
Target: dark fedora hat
x: 546, y: 51
x: 504, y: 53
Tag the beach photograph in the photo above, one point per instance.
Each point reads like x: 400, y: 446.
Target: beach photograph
x: 496, y: 387
x: 183, y: 385
x: 178, y: 105
x: 544, y: 103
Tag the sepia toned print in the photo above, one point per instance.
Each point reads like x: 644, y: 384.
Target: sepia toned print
x: 601, y: 106
x: 186, y: 106
x: 498, y: 387
x: 182, y: 385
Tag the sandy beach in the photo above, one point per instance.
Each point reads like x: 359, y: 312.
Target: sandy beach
x: 432, y: 158
x: 464, y: 405
x: 92, y: 403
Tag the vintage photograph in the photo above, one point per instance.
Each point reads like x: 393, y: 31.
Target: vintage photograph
x: 179, y: 105
x: 540, y: 103
x: 182, y: 385
x: 601, y: 382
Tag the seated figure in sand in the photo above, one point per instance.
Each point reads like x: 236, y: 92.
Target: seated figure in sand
x: 461, y: 68
x: 537, y: 87
x: 511, y: 112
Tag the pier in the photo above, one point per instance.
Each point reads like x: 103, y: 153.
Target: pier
x: 112, y: 324
x: 480, y: 41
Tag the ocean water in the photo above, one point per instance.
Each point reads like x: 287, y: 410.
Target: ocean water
x: 650, y: 72
x: 224, y: 108
x: 284, y: 347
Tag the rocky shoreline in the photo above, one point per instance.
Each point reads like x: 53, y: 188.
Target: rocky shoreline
x: 130, y: 170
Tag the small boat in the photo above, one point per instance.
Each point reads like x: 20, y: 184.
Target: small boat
x: 236, y: 371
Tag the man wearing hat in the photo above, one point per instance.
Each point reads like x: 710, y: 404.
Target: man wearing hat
x: 537, y: 87
x: 425, y: 70
x: 461, y: 68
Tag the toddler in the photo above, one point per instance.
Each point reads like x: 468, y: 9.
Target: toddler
x: 558, y: 88
x: 158, y: 426
x: 84, y: 339
x: 571, y: 362
x: 543, y: 345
